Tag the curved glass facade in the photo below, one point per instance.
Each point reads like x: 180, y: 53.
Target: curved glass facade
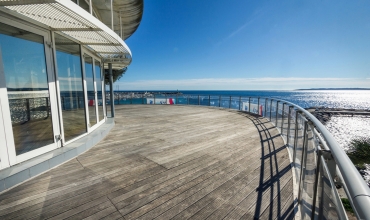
x: 89, y: 74
x: 24, y: 67
x: 68, y: 58
x: 46, y: 107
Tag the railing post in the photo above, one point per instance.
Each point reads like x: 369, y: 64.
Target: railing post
x: 270, y: 108
x: 303, y: 161
x: 282, y: 119
x: 219, y: 102
x: 240, y: 102
x: 28, y: 109
x: 47, y: 107
x: 230, y: 102
x: 112, y: 111
x: 198, y: 100
x: 63, y: 106
x: 154, y: 98
x: 265, y: 106
x: 249, y: 104
x: 295, y: 136
x: 316, y: 183
x: 288, y: 130
x: 276, y: 116
x: 209, y: 100
x: 258, y: 106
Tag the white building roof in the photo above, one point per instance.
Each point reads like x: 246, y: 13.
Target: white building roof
x: 75, y: 22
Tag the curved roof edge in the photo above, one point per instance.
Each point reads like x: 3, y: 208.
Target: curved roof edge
x: 74, y: 21
x: 127, y: 15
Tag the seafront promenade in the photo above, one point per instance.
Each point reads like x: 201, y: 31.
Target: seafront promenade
x: 164, y: 162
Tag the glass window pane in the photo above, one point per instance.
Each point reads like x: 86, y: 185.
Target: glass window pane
x: 71, y: 87
x: 90, y: 89
x: 23, y: 58
x: 98, y: 78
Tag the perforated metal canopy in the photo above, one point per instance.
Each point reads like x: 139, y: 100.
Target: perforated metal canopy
x: 73, y: 21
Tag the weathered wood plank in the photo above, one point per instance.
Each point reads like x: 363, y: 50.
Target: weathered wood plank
x: 167, y: 162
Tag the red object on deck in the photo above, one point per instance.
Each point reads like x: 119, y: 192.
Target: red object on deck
x: 91, y: 102
x: 171, y: 101
x: 261, y: 110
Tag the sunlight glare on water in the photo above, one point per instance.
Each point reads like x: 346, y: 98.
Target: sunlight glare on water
x: 349, y: 99
x: 346, y: 128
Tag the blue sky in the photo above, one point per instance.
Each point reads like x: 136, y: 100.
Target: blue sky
x: 249, y: 45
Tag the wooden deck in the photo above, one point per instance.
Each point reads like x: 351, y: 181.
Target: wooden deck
x: 167, y: 162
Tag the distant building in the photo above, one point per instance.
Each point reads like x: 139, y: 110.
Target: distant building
x: 52, y: 57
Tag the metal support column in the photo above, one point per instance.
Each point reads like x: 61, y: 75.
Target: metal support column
x: 111, y: 14
x: 90, y: 7
x: 111, y: 89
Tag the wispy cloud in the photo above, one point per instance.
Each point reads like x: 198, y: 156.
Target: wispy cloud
x: 264, y: 83
x: 256, y: 15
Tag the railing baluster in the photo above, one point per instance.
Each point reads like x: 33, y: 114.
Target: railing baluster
x: 47, y: 107
x: 240, y: 102
x: 295, y: 136
x: 316, y: 183
x: 282, y: 119
x: 270, y: 108
x: 276, y: 116
x: 288, y: 129
x: 265, y: 107
x: 303, y: 162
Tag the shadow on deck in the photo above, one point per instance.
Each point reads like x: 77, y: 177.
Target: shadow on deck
x: 167, y: 162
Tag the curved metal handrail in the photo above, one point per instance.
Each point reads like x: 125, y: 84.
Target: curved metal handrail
x: 359, y: 191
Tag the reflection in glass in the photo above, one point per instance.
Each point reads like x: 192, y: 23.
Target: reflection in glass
x: 90, y: 89
x: 23, y: 58
x: 71, y: 87
x: 98, y: 80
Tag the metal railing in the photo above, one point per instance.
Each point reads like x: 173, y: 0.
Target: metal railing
x: 320, y: 164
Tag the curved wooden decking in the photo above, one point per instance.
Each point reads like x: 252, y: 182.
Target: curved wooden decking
x: 167, y: 162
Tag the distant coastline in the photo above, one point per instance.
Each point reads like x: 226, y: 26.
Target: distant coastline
x: 336, y: 89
